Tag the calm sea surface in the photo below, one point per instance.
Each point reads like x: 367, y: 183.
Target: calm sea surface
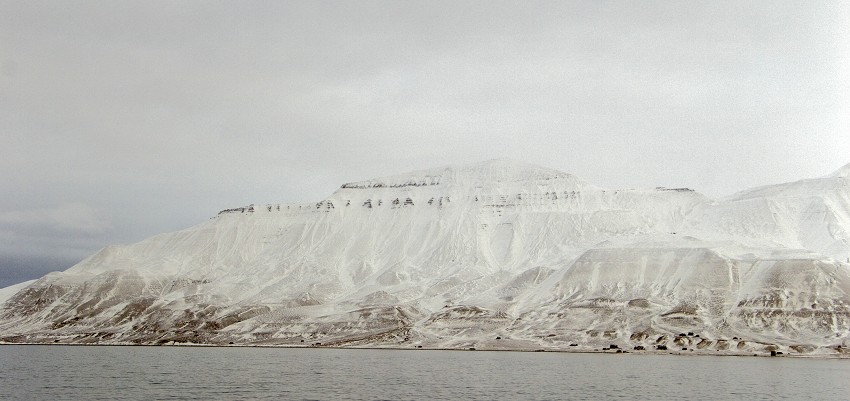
x: 145, y: 373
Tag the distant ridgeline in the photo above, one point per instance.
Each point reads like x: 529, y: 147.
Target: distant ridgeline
x: 674, y: 189
x: 489, y: 200
x: 419, y: 182
x: 328, y: 205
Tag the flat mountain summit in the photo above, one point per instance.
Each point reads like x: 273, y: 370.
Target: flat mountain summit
x: 493, y: 255
x: 491, y: 174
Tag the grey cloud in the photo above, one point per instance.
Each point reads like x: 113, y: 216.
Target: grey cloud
x: 67, y: 219
x: 16, y: 269
x: 49, y: 239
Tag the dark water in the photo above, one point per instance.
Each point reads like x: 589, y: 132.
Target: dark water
x: 144, y: 373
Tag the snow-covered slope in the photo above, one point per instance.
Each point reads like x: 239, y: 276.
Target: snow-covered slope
x: 460, y: 256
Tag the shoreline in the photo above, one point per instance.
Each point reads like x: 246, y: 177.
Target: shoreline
x: 835, y: 356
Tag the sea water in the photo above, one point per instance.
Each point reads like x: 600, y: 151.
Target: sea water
x: 205, y: 373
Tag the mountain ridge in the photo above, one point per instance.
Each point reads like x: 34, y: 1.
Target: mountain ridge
x: 456, y: 256
x: 842, y: 172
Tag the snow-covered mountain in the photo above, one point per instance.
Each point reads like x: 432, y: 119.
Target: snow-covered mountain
x: 495, y: 255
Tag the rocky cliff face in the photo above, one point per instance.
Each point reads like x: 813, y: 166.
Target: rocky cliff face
x: 460, y: 256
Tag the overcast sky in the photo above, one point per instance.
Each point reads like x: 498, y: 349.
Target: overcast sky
x: 121, y: 120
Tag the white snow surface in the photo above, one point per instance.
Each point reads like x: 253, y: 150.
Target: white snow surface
x: 457, y: 257
x: 8, y: 292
